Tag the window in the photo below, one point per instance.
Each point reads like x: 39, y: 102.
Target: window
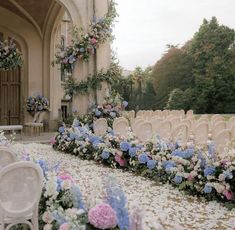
x: 64, y: 110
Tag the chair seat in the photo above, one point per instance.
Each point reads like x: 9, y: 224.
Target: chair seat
x: 34, y: 124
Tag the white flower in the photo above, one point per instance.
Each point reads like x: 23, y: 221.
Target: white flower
x: 66, y: 184
x: 47, y: 217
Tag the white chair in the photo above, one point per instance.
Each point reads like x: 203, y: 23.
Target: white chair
x: 121, y: 128
x: 21, y: 186
x: 145, y: 132
x: 7, y: 156
x: 222, y: 139
x: 180, y: 133
x: 100, y: 127
x: 201, y: 133
x: 231, y: 122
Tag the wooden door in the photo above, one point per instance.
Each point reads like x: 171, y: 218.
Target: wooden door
x: 10, y: 97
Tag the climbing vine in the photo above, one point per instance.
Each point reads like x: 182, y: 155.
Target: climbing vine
x: 73, y: 87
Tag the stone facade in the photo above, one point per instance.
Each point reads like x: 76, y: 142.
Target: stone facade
x: 38, y: 28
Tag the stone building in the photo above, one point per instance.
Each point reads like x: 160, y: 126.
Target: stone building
x: 38, y: 27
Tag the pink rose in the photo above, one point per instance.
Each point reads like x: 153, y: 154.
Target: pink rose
x: 93, y: 41
x: 120, y: 160
x: 102, y: 216
x: 64, y: 226
x: 228, y: 194
x: 108, y: 106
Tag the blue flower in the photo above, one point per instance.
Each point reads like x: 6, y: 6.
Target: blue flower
x: 178, y: 153
x: 82, y: 50
x: 178, y: 179
x: 168, y: 165
x: 189, y: 153
x: 59, y: 182
x: 124, y: 146
x: 209, y: 171
x: 228, y: 175
x: 77, y: 197
x: 207, y: 189
x: 151, y: 164
x: 125, y: 104
x: 61, y: 129
x: 143, y: 158
x: 112, y: 114
x: 72, y: 136
x: 60, y: 219
x: 105, y: 155
x: 96, y: 143
x: 44, y: 166
x: 97, y: 113
x: 132, y: 151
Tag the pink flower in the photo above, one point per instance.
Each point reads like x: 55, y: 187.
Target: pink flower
x: 53, y: 140
x: 102, y: 216
x: 190, y: 177
x: 64, y: 226
x: 228, y: 194
x: 65, y: 176
x: 120, y: 160
x: 93, y: 41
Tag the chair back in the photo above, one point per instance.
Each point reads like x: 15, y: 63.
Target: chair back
x: 145, y: 132
x: 7, y: 156
x: 121, y: 127
x: 21, y: 186
x: 100, y: 127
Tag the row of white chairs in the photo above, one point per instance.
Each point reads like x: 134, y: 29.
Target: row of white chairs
x: 21, y: 186
x: 174, y: 129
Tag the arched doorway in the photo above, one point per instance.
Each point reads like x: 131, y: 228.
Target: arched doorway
x: 10, y: 93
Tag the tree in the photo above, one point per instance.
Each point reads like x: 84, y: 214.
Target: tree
x: 173, y: 70
x: 212, y: 52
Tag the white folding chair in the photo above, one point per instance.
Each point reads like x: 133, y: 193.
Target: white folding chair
x: 21, y: 186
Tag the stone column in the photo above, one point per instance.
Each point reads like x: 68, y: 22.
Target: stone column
x: 103, y: 52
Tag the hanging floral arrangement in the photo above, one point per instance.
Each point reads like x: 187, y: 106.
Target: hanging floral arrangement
x: 10, y: 57
x: 85, y: 44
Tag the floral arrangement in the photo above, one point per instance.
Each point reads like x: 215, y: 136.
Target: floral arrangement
x: 112, y: 107
x: 81, y: 49
x: 10, y: 57
x: 62, y: 206
x: 192, y: 169
x: 38, y: 103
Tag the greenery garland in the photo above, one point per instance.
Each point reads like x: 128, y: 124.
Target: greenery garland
x: 10, y: 57
x: 81, y: 49
x: 72, y: 87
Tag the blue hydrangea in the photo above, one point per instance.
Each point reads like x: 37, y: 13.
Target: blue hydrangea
x: 178, y: 153
x: 209, y: 171
x: 96, y: 143
x: 132, y: 151
x: 82, y: 50
x: 168, y: 165
x: 97, y: 113
x: 139, y: 146
x: 94, y: 138
x: 61, y: 129
x: 105, y: 154
x: 202, y: 159
x: 72, y: 136
x: 124, y: 146
x: 151, y: 164
x: 143, y: 158
x: 207, y: 189
x: 178, y: 179
x: 59, y: 182
x: 189, y: 153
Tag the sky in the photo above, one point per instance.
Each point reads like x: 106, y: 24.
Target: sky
x: 145, y: 27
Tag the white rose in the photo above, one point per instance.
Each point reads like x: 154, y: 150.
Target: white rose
x: 47, y: 217
x: 47, y: 227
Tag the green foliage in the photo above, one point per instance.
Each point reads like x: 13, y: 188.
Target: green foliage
x: 174, y: 70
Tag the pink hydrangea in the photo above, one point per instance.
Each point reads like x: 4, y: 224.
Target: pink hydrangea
x: 120, y: 160
x: 93, y: 41
x: 102, y: 216
x: 64, y: 226
x: 190, y: 177
x: 228, y: 194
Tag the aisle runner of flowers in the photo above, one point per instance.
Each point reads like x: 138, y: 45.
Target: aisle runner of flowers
x: 198, y: 172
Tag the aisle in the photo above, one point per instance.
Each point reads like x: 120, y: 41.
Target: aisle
x: 159, y: 203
